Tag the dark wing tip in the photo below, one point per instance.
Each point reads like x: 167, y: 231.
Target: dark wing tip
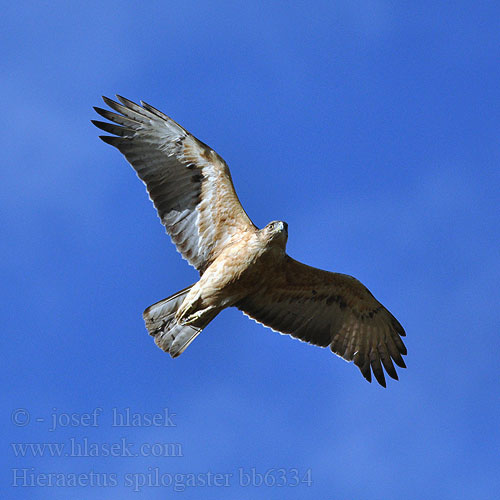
x: 367, y: 364
x: 98, y: 124
x: 397, y: 326
x: 108, y: 139
x: 103, y: 112
x: 367, y: 374
x: 387, y: 362
x: 108, y: 101
x: 391, y: 372
x: 364, y: 367
x: 378, y: 371
x: 153, y: 110
x: 400, y: 362
x: 381, y: 379
x: 103, y: 126
x: 127, y: 102
x: 112, y: 128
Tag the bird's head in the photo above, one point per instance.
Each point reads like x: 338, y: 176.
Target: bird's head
x: 276, y: 233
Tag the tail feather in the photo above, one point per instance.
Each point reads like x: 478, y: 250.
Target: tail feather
x: 162, y: 325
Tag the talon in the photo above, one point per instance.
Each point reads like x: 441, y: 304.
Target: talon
x: 191, y: 319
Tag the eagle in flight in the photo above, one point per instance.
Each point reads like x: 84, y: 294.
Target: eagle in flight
x: 240, y: 265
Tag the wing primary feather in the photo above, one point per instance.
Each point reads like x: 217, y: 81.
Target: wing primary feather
x: 387, y: 362
x: 133, y: 106
x: 394, y: 352
x: 111, y: 140
x: 377, y: 368
x: 397, y: 326
x: 363, y: 363
x: 115, y: 117
x: 399, y: 361
x: 399, y: 344
x: 157, y: 112
x: 112, y: 128
x: 139, y: 116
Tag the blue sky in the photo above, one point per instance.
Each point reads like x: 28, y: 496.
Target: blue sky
x: 372, y: 128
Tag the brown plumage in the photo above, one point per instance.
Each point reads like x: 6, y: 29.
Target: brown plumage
x: 240, y: 265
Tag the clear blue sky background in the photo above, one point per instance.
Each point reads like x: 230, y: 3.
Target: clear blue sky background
x: 371, y: 127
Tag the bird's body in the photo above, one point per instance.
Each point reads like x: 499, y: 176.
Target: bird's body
x: 240, y: 265
x: 239, y: 271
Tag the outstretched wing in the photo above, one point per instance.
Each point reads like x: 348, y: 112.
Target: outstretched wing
x: 330, y: 309
x: 188, y: 182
